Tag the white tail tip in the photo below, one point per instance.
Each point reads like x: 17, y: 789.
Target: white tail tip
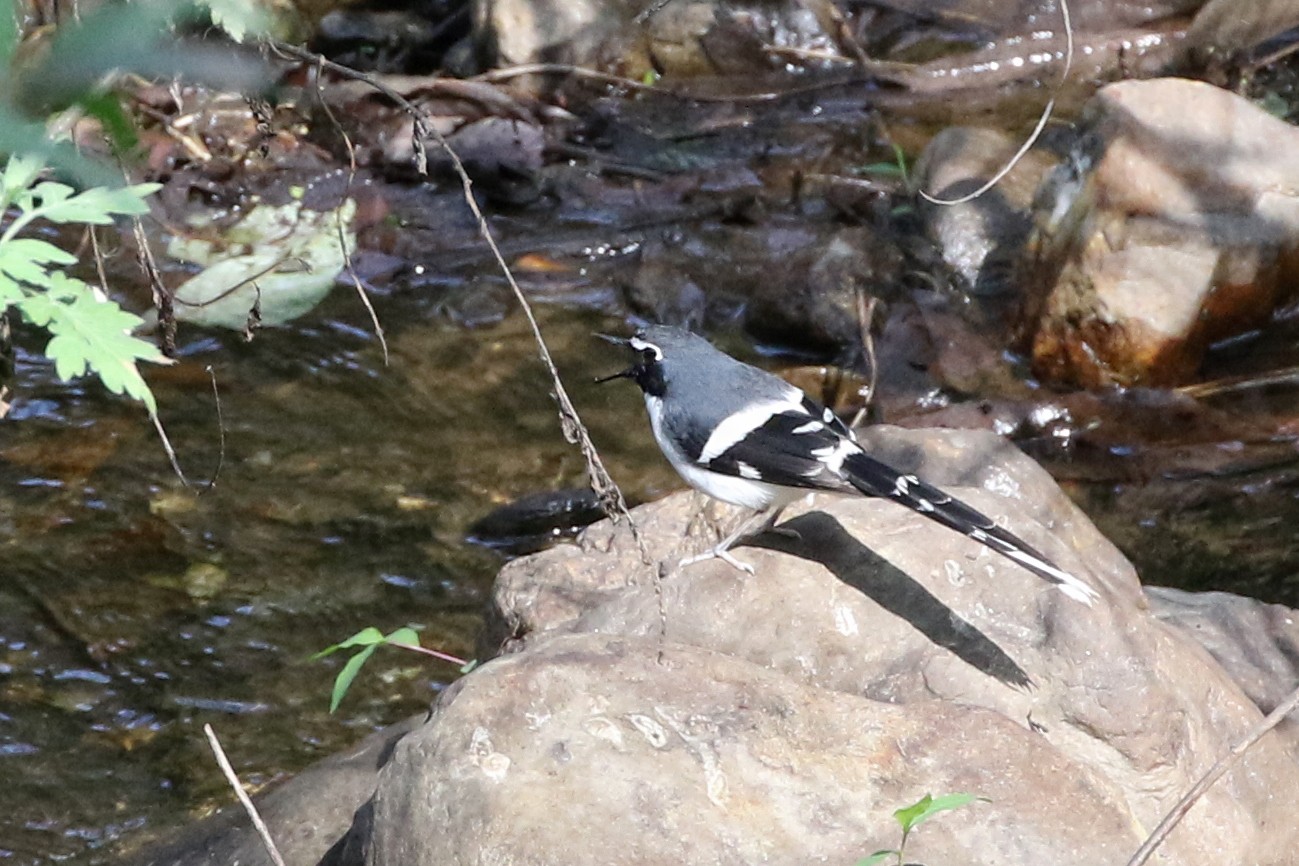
x: 1078, y: 591
x: 1068, y: 584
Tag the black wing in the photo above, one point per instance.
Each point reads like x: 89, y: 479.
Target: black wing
x: 789, y: 449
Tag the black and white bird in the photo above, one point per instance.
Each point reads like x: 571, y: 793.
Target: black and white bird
x: 747, y: 437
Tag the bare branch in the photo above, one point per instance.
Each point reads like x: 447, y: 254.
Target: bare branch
x: 338, y: 218
x: 244, y: 800
x: 1033, y: 136
x: 1184, y: 805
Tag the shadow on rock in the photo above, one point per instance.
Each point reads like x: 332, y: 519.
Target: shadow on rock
x: 822, y: 539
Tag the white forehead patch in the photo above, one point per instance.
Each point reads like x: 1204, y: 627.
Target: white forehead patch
x: 644, y: 345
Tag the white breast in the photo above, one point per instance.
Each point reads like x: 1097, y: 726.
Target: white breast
x: 744, y: 492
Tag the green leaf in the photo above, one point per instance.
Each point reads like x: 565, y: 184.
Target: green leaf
x: 470, y: 665
x: 878, y: 857
x: 10, y: 292
x: 26, y: 259
x: 343, y: 681
x: 20, y: 173
x: 97, y: 205
x: 237, y: 17
x: 92, y: 334
x: 403, y: 637
x: 370, y: 636
x: 911, y: 817
x: 48, y: 193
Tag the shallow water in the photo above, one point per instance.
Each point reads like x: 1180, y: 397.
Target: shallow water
x: 133, y: 610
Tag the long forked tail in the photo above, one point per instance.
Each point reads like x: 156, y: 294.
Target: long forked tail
x: 874, y: 478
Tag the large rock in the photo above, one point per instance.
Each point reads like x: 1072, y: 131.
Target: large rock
x: 711, y: 717
x: 598, y: 749
x: 1181, y: 229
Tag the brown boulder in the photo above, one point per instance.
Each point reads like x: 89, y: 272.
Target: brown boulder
x: 1181, y: 231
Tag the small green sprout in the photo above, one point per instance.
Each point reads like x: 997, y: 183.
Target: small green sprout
x: 911, y: 817
x: 369, y: 640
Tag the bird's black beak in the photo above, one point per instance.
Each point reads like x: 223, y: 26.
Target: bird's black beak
x: 629, y: 373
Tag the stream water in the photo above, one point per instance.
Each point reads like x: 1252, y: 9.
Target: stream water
x: 133, y: 610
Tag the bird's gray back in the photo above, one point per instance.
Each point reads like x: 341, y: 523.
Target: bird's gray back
x: 704, y: 385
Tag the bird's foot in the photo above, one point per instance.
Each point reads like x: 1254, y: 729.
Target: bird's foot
x: 718, y: 552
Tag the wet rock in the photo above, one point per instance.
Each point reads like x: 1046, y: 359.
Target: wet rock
x: 681, y: 39
x: 660, y: 291
x: 512, y: 32
x: 709, y: 37
x: 1176, y: 227
x: 1225, y: 28
x: 981, y: 239
x: 537, y: 521
x: 494, y: 145
x: 810, y: 301
x: 497, y: 136
x: 394, y: 40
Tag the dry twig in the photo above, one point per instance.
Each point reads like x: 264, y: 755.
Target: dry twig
x: 1033, y: 136
x: 166, y: 322
x: 221, y: 430
x: 338, y: 216
x: 1184, y: 805
x: 244, y: 799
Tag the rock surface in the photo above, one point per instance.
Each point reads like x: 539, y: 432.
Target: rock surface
x: 856, y: 638
x: 1255, y: 642
x: 1183, y: 232
x: 594, y: 749
x: 980, y: 239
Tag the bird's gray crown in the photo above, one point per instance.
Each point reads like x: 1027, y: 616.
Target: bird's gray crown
x: 700, y: 380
